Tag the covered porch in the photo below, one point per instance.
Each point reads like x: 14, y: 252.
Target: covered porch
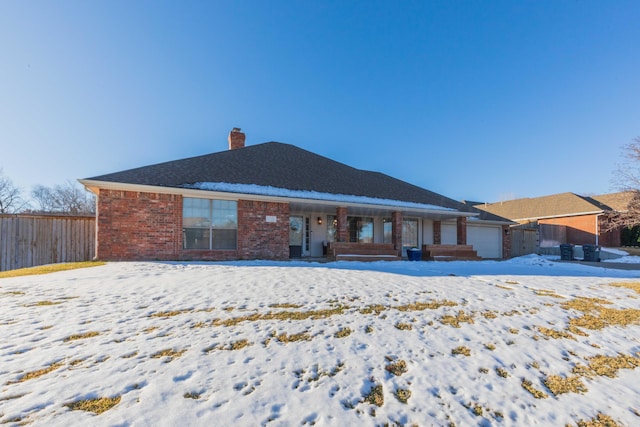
x: 365, y: 232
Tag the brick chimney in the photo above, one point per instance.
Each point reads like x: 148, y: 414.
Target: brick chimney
x: 236, y: 139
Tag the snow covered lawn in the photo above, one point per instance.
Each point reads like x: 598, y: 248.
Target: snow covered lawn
x: 521, y: 342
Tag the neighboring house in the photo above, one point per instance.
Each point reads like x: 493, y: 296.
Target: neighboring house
x: 566, y: 217
x: 276, y: 201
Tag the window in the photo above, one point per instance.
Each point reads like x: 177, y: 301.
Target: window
x: 410, y: 233
x: 332, y: 224
x: 360, y: 229
x: 387, y: 228
x: 209, y: 224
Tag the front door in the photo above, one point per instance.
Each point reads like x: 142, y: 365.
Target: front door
x: 296, y: 236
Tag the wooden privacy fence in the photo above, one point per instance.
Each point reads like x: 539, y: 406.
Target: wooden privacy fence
x: 27, y: 240
x: 524, y: 240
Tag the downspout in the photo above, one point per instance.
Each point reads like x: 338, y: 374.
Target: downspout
x: 597, y: 230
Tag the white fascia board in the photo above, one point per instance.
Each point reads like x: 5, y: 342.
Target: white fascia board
x: 223, y: 195
x: 478, y: 221
x: 560, y: 216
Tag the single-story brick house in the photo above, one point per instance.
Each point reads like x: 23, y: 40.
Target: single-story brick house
x: 567, y: 217
x: 277, y: 201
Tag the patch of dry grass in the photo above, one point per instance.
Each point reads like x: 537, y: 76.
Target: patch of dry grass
x: 169, y: 353
x: 285, y: 305
x: 502, y: 372
x: 192, y: 395
x: 600, y: 420
x: 285, y: 338
x: 343, y: 333
x: 398, y: 368
x: 373, y: 308
x: 43, y: 303
x: 528, y: 385
x: 375, y: 395
x: 460, y: 317
x: 235, y: 345
x: 81, y: 336
x: 490, y: 346
x: 634, y: 286
x: 552, y: 333
x: 52, y: 268
x: 466, y: 351
x: 489, y: 314
x: 13, y: 293
x: 597, y: 316
x: 404, y: 326
x: 511, y: 313
x: 607, y: 366
x: 40, y: 372
x: 547, y: 293
x: 403, y: 395
x: 97, y: 406
x: 283, y: 315
x: 559, y: 385
x: 421, y: 306
x: 171, y: 313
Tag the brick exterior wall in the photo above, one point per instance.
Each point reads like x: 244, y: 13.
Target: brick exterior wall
x: 396, y: 231
x: 506, y: 242
x: 342, y: 230
x: 138, y: 226
x: 148, y: 226
x: 259, y: 239
x: 461, y: 230
x: 437, y: 232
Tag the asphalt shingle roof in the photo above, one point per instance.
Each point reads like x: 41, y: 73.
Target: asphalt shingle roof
x: 283, y: 166
x: 562, y: 204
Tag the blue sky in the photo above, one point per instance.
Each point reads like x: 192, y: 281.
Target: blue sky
x: 476, y: 100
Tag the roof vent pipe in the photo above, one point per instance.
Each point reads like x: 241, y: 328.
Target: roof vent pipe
x: 236, y: 139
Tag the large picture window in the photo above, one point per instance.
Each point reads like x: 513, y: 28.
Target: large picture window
x: 410, y: 233
x: 360, y: 229
x: 209, y: 224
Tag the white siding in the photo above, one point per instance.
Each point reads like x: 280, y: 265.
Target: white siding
x: 427, y: 232
x: 449, y: 233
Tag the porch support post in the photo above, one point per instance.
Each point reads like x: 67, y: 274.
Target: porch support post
x: 461, y: 224
x: 506, y: 242
x: 342, y: 232
x: 396, y: 231
x: 437, y: 233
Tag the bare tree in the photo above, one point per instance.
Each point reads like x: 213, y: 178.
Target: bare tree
x: 627, y: 178
x: 65, y: 198
x: 10, y: 199
x: 43, y: 196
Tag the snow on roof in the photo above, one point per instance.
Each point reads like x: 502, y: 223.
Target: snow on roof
x: 263, y: 190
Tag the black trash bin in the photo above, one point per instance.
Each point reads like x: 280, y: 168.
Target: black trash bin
x: 566, y: 252
x: 414, y: 254
x: 591, y: 253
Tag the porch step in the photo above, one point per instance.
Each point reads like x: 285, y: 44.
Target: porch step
x: 449, y: 253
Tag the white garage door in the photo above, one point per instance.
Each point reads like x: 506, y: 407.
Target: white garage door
x: 486, y: 240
